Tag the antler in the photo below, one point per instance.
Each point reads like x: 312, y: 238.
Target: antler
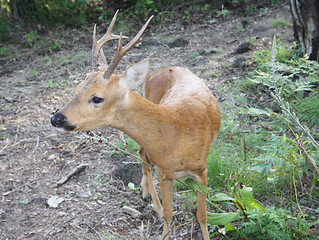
x: 97, y: 45
x: 122, y: 50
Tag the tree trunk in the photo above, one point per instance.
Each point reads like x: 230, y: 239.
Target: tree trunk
x: 305, y: 14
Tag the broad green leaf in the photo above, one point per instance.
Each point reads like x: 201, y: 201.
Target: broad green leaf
x: 229, y: 227
x: 246, y: 197
x: 222, y: 218
x: 258, y: 112
x: 227, y: 204
x: 261, y: 167
x: 221, y: 197
x: 196, y: 186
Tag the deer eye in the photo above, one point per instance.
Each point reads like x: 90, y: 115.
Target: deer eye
x: 97, y: 99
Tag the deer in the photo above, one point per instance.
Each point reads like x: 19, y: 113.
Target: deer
x: 175, y: 122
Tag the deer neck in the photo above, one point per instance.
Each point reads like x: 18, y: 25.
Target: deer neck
x: 143, y: 120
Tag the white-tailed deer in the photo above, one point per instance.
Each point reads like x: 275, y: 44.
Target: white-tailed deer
x: 174, y: 124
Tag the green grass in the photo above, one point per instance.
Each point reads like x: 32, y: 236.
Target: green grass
x: 279, y: 22
x: 308, y: 109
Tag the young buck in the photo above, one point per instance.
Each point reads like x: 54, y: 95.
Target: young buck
x: 174, y: 124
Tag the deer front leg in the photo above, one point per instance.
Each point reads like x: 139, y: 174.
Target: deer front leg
x: 201, y: 207
x: 167, y: 200
x: 147, y: 184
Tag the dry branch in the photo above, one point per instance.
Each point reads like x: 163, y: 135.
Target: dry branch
x: 75, y: 171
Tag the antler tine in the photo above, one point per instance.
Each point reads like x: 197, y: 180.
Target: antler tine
x: 122, y: 50
x: 108, y: 35
x: 97, y: 45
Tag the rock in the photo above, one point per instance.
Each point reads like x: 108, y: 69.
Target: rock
x: 128, y: 172
x: 54, y: 201
x: 179, y: 42
x: 244, y: 47
x: 240, y: 62
x: 131, y: 211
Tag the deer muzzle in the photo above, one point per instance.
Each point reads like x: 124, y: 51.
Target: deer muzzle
x: 60, y: 121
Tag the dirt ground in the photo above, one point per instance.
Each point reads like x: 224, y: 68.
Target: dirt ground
x: 33, y: 157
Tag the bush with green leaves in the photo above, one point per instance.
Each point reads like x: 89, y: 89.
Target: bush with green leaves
x: 78, y: 12
x: 275, y: 224
x: 276, y: 153
x: 290, y: 83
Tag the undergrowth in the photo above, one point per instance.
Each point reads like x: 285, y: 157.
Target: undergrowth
x: 276, y: 154
x: 39, y: 14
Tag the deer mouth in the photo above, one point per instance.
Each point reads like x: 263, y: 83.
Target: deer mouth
x: 60, y: 121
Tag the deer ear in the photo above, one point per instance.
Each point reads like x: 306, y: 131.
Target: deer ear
x: 135, y: 74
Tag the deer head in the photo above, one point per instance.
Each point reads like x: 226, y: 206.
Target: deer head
x: 102, y: 94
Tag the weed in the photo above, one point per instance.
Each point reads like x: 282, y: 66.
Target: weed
x: 250, y: 9
x: 275, y: 224
x: 279, y: 22
x: 187, y: 14
x: 251, y: 40
x: 34, y: 39
x: 4, y: 51
x: 239, y: 29
x: 193, y: 55
x: 47, y: 58
x: 207, y: 8
x: 32, y: 73
x: 223, y: 14
x: 283, y: 53
x: 286, y: 81
x: 308, y: 108
x: 99, y: 179
x: 53, y: 84
x: 54, y: 46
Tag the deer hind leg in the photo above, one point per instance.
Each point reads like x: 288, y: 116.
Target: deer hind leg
x: 147, y: 184
x: 167, y: 200
x: 201, y: 207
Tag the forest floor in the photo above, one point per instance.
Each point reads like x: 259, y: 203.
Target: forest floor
x: 34, y: 157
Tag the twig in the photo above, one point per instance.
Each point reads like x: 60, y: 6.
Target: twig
x: 76, y: 171
x: 98, y: 235
x: 8, y: 141
x: 30, y: 140
x: 36, y: 146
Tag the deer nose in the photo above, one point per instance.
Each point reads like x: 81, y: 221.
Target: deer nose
x: 58, y: 120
